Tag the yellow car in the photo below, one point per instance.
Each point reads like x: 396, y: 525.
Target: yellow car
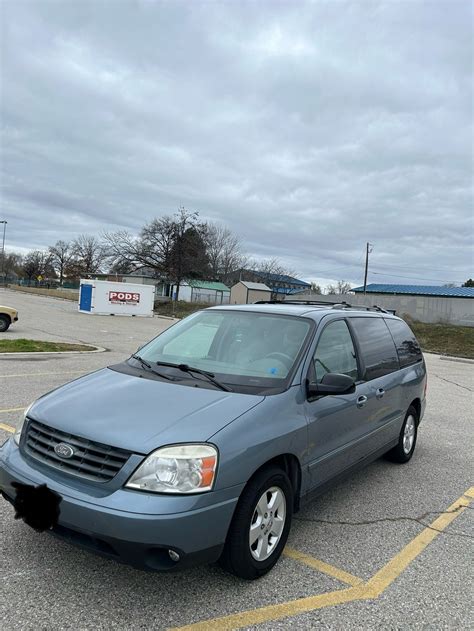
x: 8, y: 315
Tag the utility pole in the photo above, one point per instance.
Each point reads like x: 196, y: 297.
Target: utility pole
x: 3, y: 251
x: 368, y: 250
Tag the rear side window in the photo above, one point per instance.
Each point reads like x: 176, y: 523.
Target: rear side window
x: 377, y: 349
x: 408, y: 349
x: 335, y: 352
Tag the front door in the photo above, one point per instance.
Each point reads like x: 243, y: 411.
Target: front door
x: 337, y: 424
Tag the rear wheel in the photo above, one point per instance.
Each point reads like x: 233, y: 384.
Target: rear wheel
x: 4, y: 323
x: 260, y: 527
x: 402, y: 452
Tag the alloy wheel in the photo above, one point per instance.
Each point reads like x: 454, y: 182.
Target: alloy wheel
x: 409, y: 434
x: 267, y: 523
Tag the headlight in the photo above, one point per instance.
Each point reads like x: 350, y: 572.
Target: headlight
x: 177, y: 469
x: 19, y: 429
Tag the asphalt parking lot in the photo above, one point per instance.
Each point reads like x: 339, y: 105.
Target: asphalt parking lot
x: 389, y: 547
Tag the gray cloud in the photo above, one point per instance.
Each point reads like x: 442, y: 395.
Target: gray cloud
x: 308, y: 128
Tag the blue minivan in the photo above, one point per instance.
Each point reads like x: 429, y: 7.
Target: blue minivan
x: 202, y: 445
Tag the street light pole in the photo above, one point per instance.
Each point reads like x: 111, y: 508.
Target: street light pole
x: 3, y: 250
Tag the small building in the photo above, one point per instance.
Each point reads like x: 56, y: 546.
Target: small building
x: 281, y: 285
x: 140, y: 280
x: 113, y: 278
x: 210, y: 292
x: 426, y: 303
x: 245, y: 292
x: 146, y: 275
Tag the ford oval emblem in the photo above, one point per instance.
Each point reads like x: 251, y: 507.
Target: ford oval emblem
x: 63, y: 450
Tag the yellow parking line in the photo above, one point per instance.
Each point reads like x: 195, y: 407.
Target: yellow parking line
x: 7, y: 428
x: 43, y: 374
x: 13, y: 409
x: 276, y: 612
x: 321, y: 566
x: 365, y: 591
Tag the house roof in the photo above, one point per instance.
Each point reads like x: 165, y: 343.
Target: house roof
x: 205, y: 284
x: 258, y: 286
x: 271, y: 278
x: 281, y: 278
x: 418, y: 290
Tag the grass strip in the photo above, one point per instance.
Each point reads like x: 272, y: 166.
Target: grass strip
x: 23, y: 345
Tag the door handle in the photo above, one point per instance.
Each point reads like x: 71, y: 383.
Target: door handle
x: 379, y: 393
x: 361, y: 401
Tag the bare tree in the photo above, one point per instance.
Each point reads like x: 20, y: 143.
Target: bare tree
x: 88, y: 256
x: 37, y: 263
x: 151, y: 248
x: 188, y: 257
x: 157, y: 240
x: 223, y: 249
x: 121, y: 268
x: 13, y: 264
x: 127, y: 251
x: 173, y: 246
x: 273, y: 265
x: 61, y: 253
x: 315, y: 288
x: 341, y: 287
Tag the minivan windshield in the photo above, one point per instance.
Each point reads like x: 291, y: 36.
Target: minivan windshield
x: 238, y: 347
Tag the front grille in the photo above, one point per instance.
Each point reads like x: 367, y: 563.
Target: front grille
x: 91, y: 460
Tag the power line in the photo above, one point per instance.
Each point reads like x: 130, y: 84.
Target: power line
x: 350, y: 266
x: 333, y: 271
x: 438, y: 280
x: 446, y: 269
x: 356, y: 265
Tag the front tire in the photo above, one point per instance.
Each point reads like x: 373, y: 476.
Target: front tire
x: 4, y: 323
x: 260, y: 526
x: 403, y: 452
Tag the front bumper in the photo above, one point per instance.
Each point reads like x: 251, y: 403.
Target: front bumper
x: 142, y: 532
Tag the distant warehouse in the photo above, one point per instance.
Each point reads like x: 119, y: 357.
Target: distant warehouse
x: 426, y: 303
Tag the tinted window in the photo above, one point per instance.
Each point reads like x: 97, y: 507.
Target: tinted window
x: 376, y: 345
x: 335, y: 352
x: 408, y: 349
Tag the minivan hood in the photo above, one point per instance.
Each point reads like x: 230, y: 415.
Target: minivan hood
x: 139, y: 414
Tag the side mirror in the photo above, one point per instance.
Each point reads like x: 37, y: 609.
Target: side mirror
x: 331, y: 383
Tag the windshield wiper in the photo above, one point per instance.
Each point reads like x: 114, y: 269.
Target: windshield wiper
x: 190, y: 370
x: 144, y: 363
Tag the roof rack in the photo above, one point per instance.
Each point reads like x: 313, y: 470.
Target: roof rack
x: 322, y: 303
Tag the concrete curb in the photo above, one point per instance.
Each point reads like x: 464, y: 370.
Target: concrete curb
x: 164, y: 317
x: 95, y: 349
x: 462, y: 360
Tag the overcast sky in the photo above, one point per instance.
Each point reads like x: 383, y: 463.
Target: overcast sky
x: 308, y: 128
